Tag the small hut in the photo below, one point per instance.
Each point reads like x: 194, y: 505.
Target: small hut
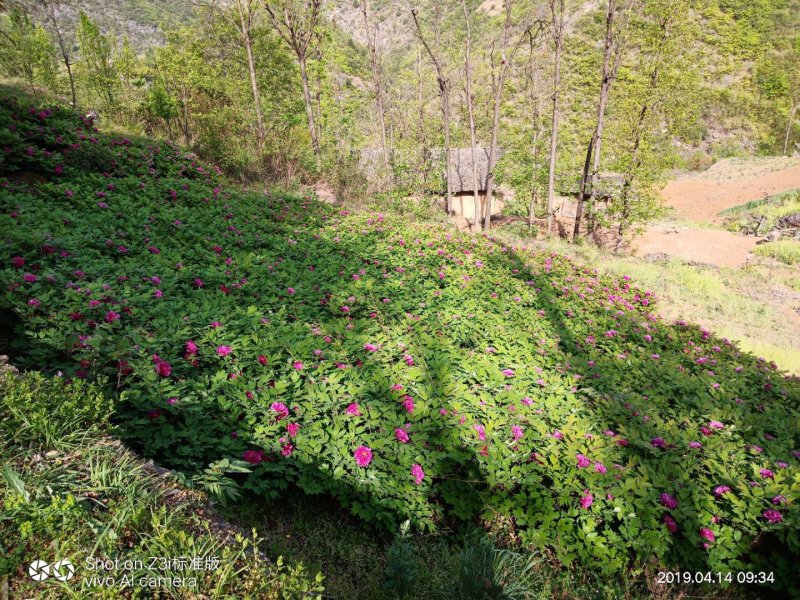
x: 609, y: 187
x: 461, y: 182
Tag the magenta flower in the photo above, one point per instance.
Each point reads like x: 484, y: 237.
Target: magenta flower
x: 262, y: 359
x: 582, y: 461
x: 30, y: 277
x: 112, y: 316
x: 417, y: 473
x: 224, y: 350
x: 707, y: 534
x: 778, y: 500
x: 297, y: 365
x: 292, y: 429
x: 408, y: 404
x: 658, y: 442
x: 18, y: 262
x: 767, y: 474
x: 669, y: 501
x: 191, y: 347
x: 370, y: 347
x: 363, y: 456
x: 287, y: 449
x: 517, y: 432
x: 252, y: 456
x: 586, y: 500
x: 557, y: 435
x: 695, y: 445
x: 716, y: 425
x: 481, y: 432
x: 290, y: 291
x: 401, y: 435
x: 281, y: 409
x: 352, y: 410
x: 600, y: 467
x: 721, y: 490
x: 508, y: 372
x: 772, y: 515
x: 670, y: 523
x: 163, y: 368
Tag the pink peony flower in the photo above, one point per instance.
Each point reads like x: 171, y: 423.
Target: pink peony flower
x: 778, y: 500
x: 582, y: 461
x: 292, y: 429
x: 112, y: 316
x: 291, y: 291
x: 517, y: 432
x: 772, y: 515
x: 281, y: 409
x: 191, y: 347
x: 163, y: 368
x: 363, y: 456
x: 224, y: 350
x: 252, y: 456
x: 297, y: 365
x: 370, y: 347
x: 586, y: 500
x: 721, y: 490
x: 401, y: 435
x: 353, y: 410
x: 287, y: 449
x: 707, y: 534
x: 508, y: 372
x: 669, y: 501
x: 417, y: 473
x: 557, y: 435
x: 481, y: 432
x: 767, y: 474
x: 262, y: 359
x: 18, y: 262
x: 670, y: 523
x: 600, y: 467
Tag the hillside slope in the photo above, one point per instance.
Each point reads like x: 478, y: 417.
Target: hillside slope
x: 408, y: 371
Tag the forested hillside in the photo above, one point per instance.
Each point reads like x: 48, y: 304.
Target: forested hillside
x: 355, y: 93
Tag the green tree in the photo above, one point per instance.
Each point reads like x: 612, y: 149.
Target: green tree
x: 27, y: 51
x: 97, y: 61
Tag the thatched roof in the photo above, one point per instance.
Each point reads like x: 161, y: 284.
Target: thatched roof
x: 461, y: 168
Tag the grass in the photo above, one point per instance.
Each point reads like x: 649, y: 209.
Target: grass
x: 748, y: 305
x: 771, y: 209
x: 786, y: 251
x: 71, y: 491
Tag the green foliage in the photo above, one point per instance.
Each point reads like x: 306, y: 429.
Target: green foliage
x: 786, y: 251
x: 73, y: 493
x: 27, y: 51
x: 367, y: 358
x: 763, y: 213
x: 97, y: 68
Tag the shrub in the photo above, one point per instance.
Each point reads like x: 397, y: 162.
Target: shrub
x: 406, y: 370
x: 786, y: 251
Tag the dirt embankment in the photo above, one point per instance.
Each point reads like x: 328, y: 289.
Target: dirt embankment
x: 700, y: 198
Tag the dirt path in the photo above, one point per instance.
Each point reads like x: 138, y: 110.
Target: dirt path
x: 728, y: 183
x: 700, y: 198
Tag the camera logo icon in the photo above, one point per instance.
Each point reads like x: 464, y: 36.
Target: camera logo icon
x: 39, y: 570
x: 62, y: 570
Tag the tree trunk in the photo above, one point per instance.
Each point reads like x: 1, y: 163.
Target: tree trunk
x: 372, y: 44
x: 64, y: 54
x: 792, y: 114
x: 446, y: 116
x: 312, y: 129
x: 498, y: 96
x: 251, y: 65
x: 444, y: 92
x: 470, y: 110
x: 558, y: 27
x: 582, y: 193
